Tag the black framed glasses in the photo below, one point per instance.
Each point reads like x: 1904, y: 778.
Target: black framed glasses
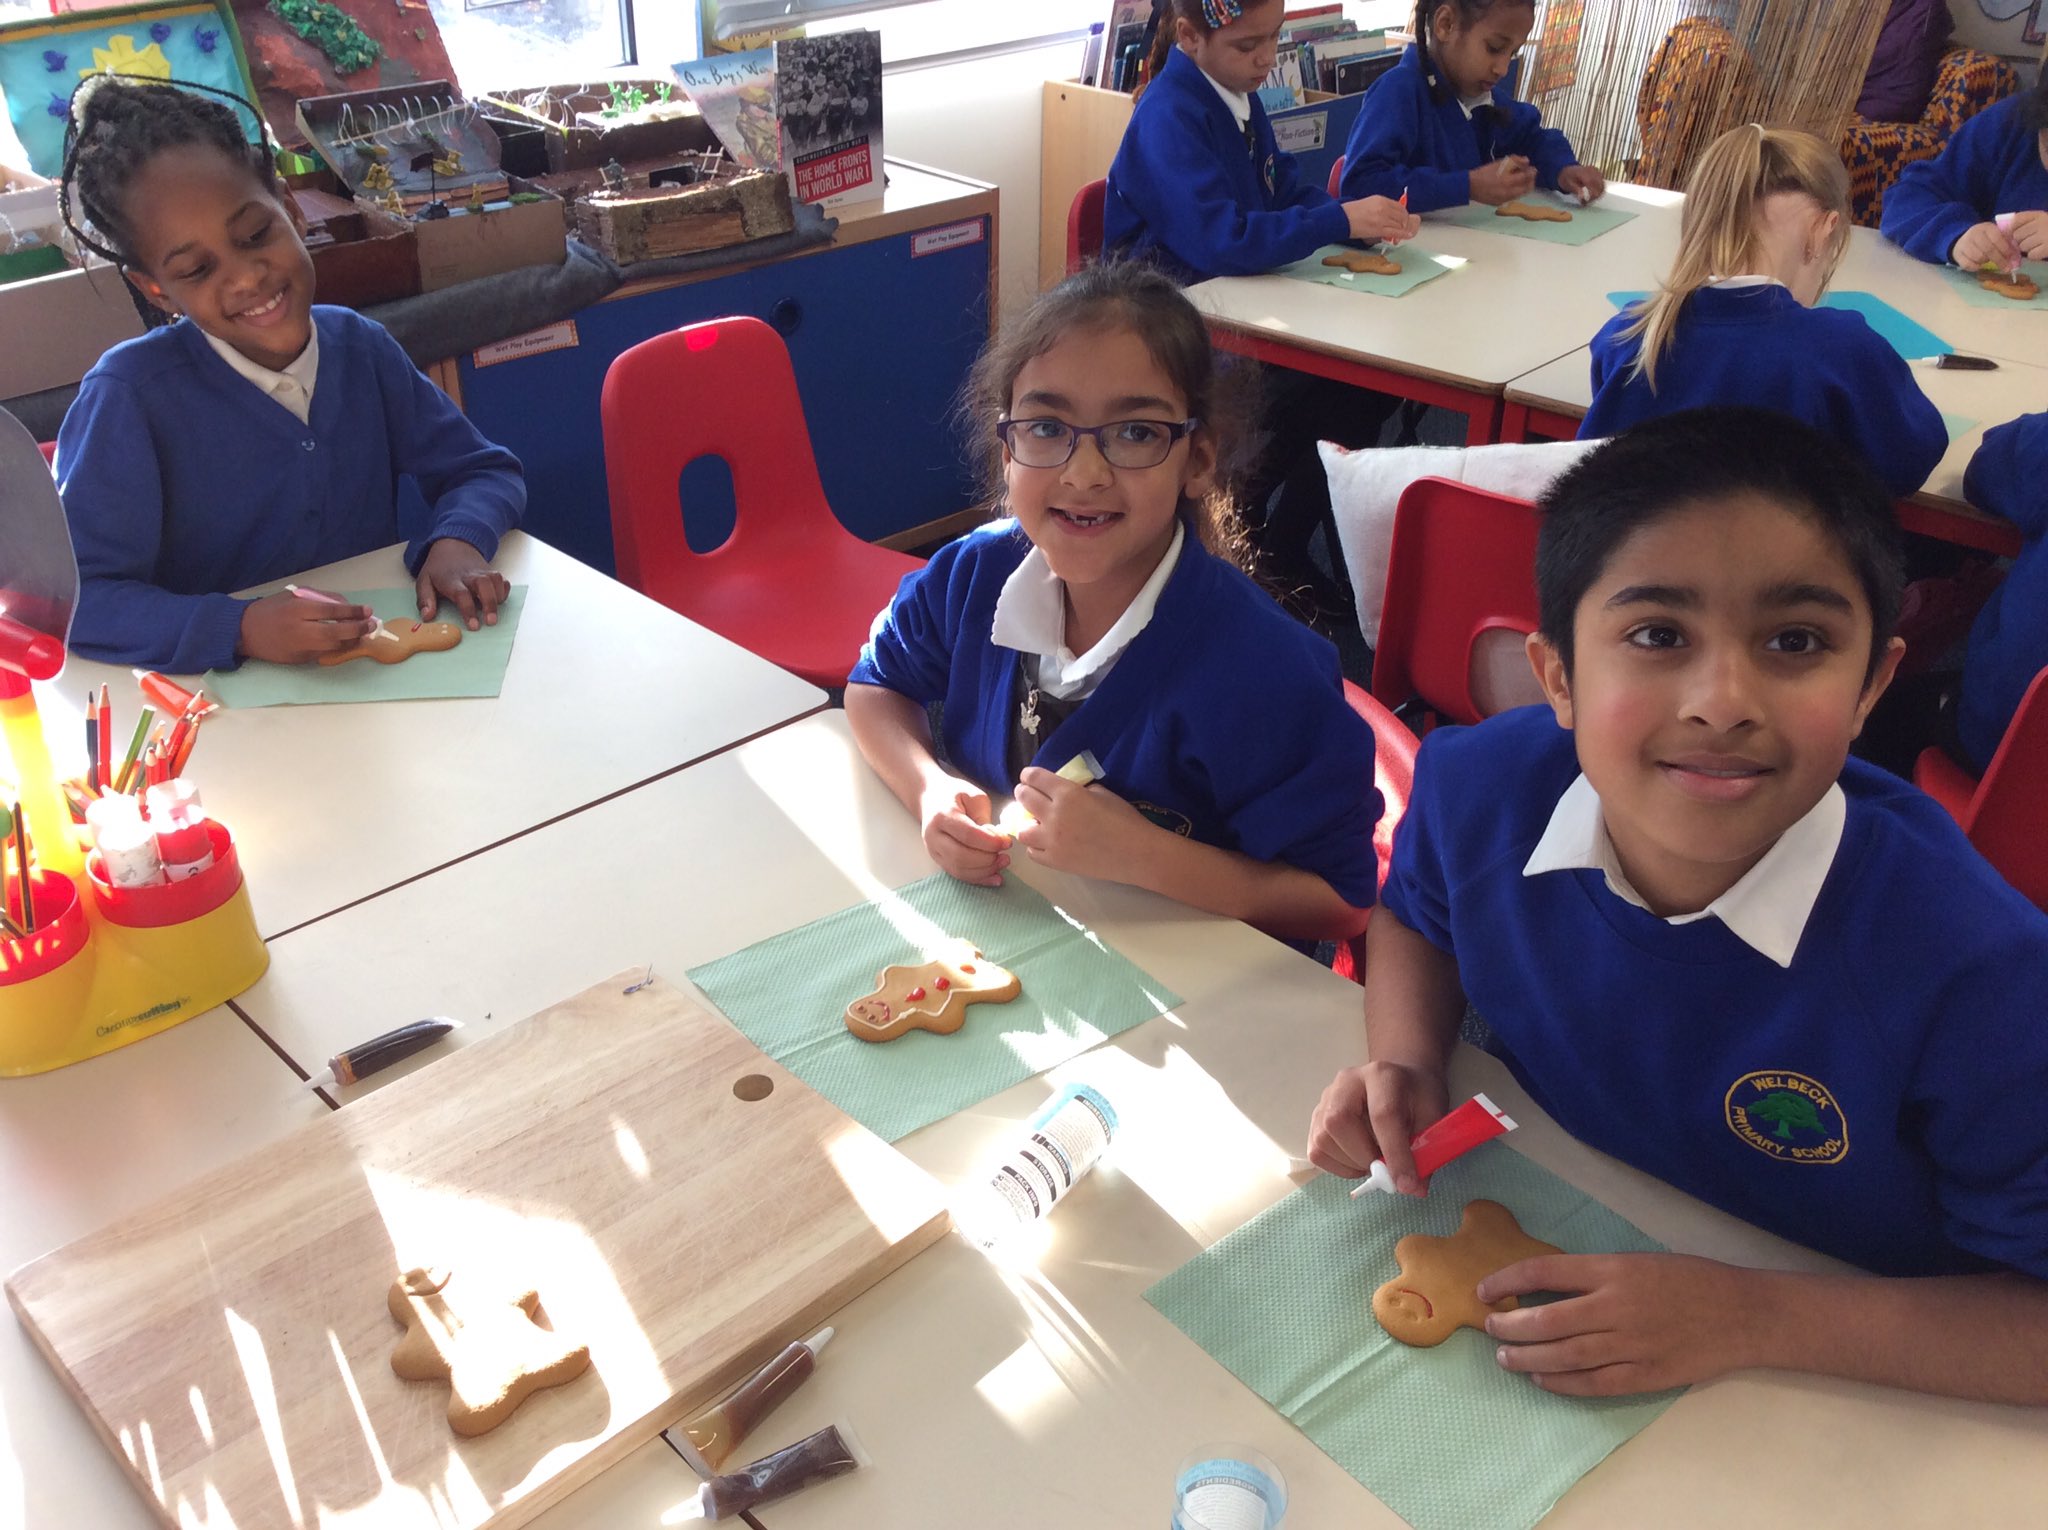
x: 1050, y: 443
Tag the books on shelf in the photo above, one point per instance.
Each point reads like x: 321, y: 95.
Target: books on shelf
x: 829, y: 96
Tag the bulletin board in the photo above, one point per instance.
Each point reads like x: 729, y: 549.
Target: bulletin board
x: 42, y: 63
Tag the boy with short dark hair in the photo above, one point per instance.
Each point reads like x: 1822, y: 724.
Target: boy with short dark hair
x: 1715, y: 947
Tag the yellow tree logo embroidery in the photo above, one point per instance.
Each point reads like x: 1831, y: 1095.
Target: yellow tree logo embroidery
x: 121, y: 56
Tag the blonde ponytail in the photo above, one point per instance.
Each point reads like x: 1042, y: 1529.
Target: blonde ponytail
x: 1718, y: 231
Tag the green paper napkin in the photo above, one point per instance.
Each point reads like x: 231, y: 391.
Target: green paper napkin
x: 1417, y: 267
x: 1588, y: 223
x: 473, y: 667
x: 1444, y: 1437
x: 789, y: 995
x: 1971, y: 291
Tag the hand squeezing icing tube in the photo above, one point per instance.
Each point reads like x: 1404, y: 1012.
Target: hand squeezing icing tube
x: 712, y: 1436
x: 1477, y: 1120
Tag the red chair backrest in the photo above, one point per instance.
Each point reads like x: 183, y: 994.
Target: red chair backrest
x: 49, y: 451
x: 723, y: 388
x: 1462, y: 564
x: 1393, y: 773
x: 2007, y: 819
x: 1084, y: 225
x: 1336, y: 175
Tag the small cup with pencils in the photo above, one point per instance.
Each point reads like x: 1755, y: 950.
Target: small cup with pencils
x: 42, y: 922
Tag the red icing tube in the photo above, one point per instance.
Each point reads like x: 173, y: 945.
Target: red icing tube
x: 1477, y: 1120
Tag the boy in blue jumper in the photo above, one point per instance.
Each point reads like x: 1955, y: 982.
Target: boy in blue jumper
x: 1234, y: 777
x: 1443, y: 126
x: 1715, y: 947
x: 1765, y: 223
x: 1199, y: 186
x: 2009, y: 641
x: 1983, y: 201
x: 259, y: 437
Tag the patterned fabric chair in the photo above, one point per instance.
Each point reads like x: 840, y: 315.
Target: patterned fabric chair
x: 1876, y: 152
x: 1694, y: 71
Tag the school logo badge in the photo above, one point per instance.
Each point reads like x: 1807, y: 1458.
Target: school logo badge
x: 1166, y: 818
x: 1788, y: 1116
x: 1269, y: 172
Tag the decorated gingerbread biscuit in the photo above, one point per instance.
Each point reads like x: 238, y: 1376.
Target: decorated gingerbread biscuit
x: 1364, y: 263
x: 2017, y: 285
x: 1437, y: 1289
x: 487, y: 1347
x: 395, y: 642
x: 1532, y: 212
x: 932, y: 996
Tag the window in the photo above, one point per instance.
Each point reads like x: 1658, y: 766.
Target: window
x: 499, y: 43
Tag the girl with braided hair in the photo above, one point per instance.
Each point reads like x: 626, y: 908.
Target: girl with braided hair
x: 254, y: 434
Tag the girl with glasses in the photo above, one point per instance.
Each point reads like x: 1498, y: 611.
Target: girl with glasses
x: 1104, y: 618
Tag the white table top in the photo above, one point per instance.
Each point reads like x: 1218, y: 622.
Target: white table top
x: 78, y: 1148
x: 1985, y: 399
x: 1518, y: 303
x: 993, y: 1394
x: 1874, y: 264
x: 606, y: 690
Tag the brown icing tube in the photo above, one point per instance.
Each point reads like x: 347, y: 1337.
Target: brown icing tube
x: 713, y: 1435
x: 827, y: 1454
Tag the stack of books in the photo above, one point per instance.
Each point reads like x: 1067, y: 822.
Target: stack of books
x: 1321, y: 50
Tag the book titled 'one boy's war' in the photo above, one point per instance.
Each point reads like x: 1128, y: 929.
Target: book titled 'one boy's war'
x: 828, y: 91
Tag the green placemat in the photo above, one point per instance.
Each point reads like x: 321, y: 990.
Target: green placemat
x: 473, y: 667
x: 1972, y: 292
x: 1957, y: 425
x: 1588, y: 223
x: 1417, y: 267
x: 1444, y: 1437
x: 789, y: 995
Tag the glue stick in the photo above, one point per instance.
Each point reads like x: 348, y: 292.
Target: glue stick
x: 127, y: 847
x: 180, y: 823
x: 1059, y: 1145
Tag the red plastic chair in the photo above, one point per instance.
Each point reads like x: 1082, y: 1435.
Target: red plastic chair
x: 1462, y: 564
x: 1084, y: 225
x: 2006, y: 813
x: 790, y: 583
x: 1336, y: 175
x: 1393, y: 772
x: 49, y: 451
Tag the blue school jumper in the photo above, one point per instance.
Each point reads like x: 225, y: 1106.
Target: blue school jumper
x: 1761, y: 346
x: 2009, y: 642
x: 1883, y: 1099
x: 182, y: 480
x: 1990, y: 166
x: 1224, y: 720
x: 1189, y: 192
x: 1406, y: 139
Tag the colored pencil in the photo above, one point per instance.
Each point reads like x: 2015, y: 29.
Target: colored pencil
x: 124, y: 780
x: 106, y: 738
x: 21, y: 849
x: 184, y: 754
x: 92, y: 744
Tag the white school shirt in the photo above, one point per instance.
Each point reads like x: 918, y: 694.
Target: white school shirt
x: 1767, y: 909
x: 1031, y: 617
x: 1240, y: 104
x: 293, y: 387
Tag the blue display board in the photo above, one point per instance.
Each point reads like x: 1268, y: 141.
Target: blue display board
x: 42, y: 62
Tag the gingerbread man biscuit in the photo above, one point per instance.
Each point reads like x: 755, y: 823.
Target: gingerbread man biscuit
x: 1436, y: 1291
x: 395, y: 642
x: 931, y: 997
x: 487, y: 1347
x: 2020, y: 287
x: 1532, y: 212
x: 1364, y: 263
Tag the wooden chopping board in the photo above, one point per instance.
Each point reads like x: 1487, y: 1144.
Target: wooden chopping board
x: 231, y: 1344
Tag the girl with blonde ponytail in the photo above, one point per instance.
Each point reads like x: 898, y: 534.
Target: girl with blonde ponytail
x: 1765, y: 224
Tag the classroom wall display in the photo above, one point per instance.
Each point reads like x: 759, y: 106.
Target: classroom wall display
x: 828, y: 93
x: 1557, y: 55
x: 2013, y: 28
x: 42, y: 63
x: 302, y: 48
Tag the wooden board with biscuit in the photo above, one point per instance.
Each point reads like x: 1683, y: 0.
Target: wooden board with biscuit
x: 616, y: 1154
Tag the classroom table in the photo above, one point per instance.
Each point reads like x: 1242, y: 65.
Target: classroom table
x: 1456, y: 341
x: 1039, y: 1385
x: 81, y: 1147
x: 1872, y: 263
x: 330, y: 804
x: 1548, y: 403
